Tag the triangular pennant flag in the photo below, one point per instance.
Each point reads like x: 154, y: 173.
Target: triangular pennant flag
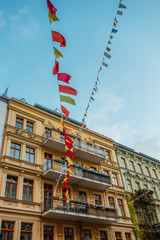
x: 65, y: 111
x: 111, y: 37
x: 61, y: 118
x: 115, y: 20
x: 114, y: 30
x: 69, y: 170
x: 115, y: 24
x: 92, y: 93
x: 66, y: 148
x: 70, y: 154
x: 52, y: 9
x: 68, y: 138
x: 57, y: 37
x: 64, y: 77
x: 121, y: 6
x: 69, y: 161
x: 108, y: 49
x: 52, y: 17
x: 91, y: 98
x: 69, y: 145
x: 56, y: 68
x: 109, y: 42
x: 57, y: 53
x: 67, y: 99
x: 68, y: 90
x: 104, y: 64
x: 119, y: 13
x: 107, y: 55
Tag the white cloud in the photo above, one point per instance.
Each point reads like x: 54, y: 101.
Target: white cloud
x: 105, y: 119
x: 2, y: 21
x: 24, y: 26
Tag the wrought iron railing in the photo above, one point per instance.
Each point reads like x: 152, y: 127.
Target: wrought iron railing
x: 78, y: 207
x: 59, y: 165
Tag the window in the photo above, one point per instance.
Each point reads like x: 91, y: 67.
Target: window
x: 111, y: 201
x: 129, y: 185
x: 103, y: 235
x: 47, y: 133
x: 123, y: 162
x: 86, y: 233
x: 132, y: 166
x: 108, y: 156
x: 29, y: 126
x: 48, y: 193
x: 154, y: 173
x: 30, y: 155
x: 154, y: 193
x: 93, y: 168
x: 11, y: 187
x: 128, y: 236
x: 121, y: 208
x: 105, y: 172
x: 137, y: 185
x: 82, y: 196
x: 147, y: 171
x: 26, y: 231
x: 7, y: 229
x: 19, y: 123
x: 48, y: 233
x: 97, y: 199
x: 47, y: 161
x: 118, y: 236
x: 140, y: 168
x: 145, y: 186
x: 15, y: 150
x: 68, y: 233
x: 115, y: 180
x: 154, y: 216
x: 28, y: 190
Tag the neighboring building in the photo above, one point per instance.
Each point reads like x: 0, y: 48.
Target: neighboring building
x: 31, y: 207
x: 140, y: 171
x: 3, y: 110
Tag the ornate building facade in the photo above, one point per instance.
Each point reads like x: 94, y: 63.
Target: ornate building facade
x: 31, y: 200
x: 140, y: 171
x: 3, y: 108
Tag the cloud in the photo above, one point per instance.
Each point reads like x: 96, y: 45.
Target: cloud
x: 23, y: 25
x: 150, y: 146
x: 105, y: 119
x: 2, y: 21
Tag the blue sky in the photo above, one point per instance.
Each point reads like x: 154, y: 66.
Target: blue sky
x: 126, y: 107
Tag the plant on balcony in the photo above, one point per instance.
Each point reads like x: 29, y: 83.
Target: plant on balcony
x: 137, y: 232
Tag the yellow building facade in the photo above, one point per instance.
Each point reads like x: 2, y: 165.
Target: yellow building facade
x: 32, y: 161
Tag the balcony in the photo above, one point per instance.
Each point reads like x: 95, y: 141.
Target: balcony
x: 82, y: 177
x: 79, y: 211
x: 82, y: 149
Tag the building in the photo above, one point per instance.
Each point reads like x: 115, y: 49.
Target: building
x: 32, y: 203
x: 3, y: 108
x: 141, y: 173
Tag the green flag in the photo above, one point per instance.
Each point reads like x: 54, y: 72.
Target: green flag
x: 57, y: 53
x: 52, y: 17
x: 67, y: 99
x: 91, y: 98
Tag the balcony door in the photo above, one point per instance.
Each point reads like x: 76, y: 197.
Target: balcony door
x: 48, y: 193
x: 86, y: 234
x: 47, y: 161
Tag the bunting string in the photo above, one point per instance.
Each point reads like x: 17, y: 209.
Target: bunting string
x: 106, y: 58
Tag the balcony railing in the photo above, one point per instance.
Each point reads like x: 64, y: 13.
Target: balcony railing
x: 78, y: 211
x: 82, y: 176
x: 55, y: 140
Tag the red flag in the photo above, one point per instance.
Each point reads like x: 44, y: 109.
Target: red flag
x: 64, y: 77
x: 66, y: 89
x: 70, y: 154
x: 114, y: 24
x: 68, y: 138
x: 65, y: 111
x: 57, y: 37
x: 69, y: 145
x: 52, y: 9
x: 56, y: 68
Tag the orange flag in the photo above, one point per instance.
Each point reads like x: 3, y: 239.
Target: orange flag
x: 56, y: 68
x: 66, y: 89
x: 65, y: 111
x: 57, y: 37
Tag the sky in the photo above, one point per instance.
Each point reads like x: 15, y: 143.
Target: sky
x: 126, y: 106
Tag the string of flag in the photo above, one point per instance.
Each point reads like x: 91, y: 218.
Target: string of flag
x: 62, y: 80
x: 106, y: 57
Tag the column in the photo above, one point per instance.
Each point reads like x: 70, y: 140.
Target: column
x: 8, y: 145
x: 24, y: 123
x: 20, y: 186
x: 23, y: 151
x: 3, y: 182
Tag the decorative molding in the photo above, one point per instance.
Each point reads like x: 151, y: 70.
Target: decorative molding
x: 48, y: 124
x: 25, y: 133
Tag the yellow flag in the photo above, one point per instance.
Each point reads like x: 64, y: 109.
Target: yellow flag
x: 69, y: 161
x: 52, y: 17
x: 69, y: 170
x: 61, y: 118
x: 57, y: 53
x: 66, y: 148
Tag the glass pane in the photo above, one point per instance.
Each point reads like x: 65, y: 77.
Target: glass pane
x: 28, y: 236
x: 30, y: 182
x: 24, y: 193
x: 29, y: 227
x: 22, y: 236
x: 31, y: 158
x: 18, y: 146
x: 7, y: 190
x: 9, y: 235
x: 14, y: 179
x: 30, y: 195
x: 13, y: 193
x: 32, y: 150
x: 23, y: 226
x: 11, y: 152
x: 3, y: 235
x: 12, y: 144
x: 27, y: 157
x: 10, y: 225
x: 17, y: 154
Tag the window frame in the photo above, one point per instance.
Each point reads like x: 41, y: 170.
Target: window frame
x: 121, y: 207
x: 68, y: 236
x: 117, y: 237
x: 30, y: 154
x: 101, y: 237
x: 11, y: 185
x: 111, y: 202
x: 123, y: 161
x: 148, y: 171
x: 48, y: 234
x: 7, y: 230
x: 140, y: 168
x: 108, y: 155
x: 26, y: 231
x: 133, y: 167
x: 28, y: 187
x: 115, y: 179
x: 129, y: 186
x: 29, y: 125
x: 47, y: 132
x: 18, y: 122
x: 15, y: 150
x: 128, y: 237
x: 96, y: 200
